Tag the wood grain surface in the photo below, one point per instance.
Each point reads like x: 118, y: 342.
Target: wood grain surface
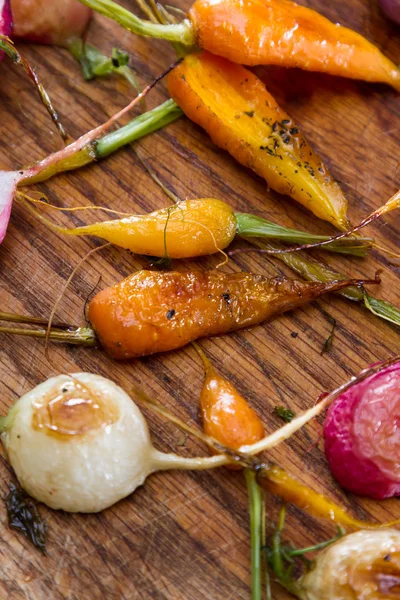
x: 185, y: 536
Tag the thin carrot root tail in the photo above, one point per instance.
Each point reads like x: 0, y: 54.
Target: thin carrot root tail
x: 278, y: 482
x: 337, y: 285
x: 28, y: 202
x: 386, y: 250
x: 24, y: 196
x: 61, y: 295
x: 392, y: 204
x: 9, y: 48
x: 206, y: 363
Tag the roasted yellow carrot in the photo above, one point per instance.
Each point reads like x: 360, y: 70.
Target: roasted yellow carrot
x: 242, y: 117
x: 194, y: 228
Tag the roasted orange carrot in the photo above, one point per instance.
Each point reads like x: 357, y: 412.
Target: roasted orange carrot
x: 226, y: 415
x: 267, y: 32
x: 281, y: 32
x: 152, y: 311
x: 229, y: 419
x: 240, y: 116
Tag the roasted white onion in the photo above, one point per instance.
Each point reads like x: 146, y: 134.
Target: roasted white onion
x: 360, y: 566
x: 79, y: 443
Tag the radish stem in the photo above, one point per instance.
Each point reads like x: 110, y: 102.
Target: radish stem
x: 7, y: 46
x: 94, y: 150
x: 150, y: 121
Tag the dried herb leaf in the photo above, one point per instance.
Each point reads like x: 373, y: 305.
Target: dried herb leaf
x: 23, y: 515
x: 286, y: 414
x: 182, y: 439
x: 329, y: 340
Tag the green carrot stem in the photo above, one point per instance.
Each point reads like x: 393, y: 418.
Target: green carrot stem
x: 284, y: 575
x: 290, y: 552
x: 15, y: 318
x: 249, y: 226
x: 255, y: 512
x: 381, y: 308
x: 263, y: 545
x: 313, y: 270
x: 177, y: 32
x: 82, y: 336
x: 95, y: 64
x: 276, y: 555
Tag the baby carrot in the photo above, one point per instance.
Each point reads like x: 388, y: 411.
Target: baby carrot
x: 277, y: 481
x: 194, y: 228
x: 281, y: 32
x: 226, y: 415
x: 266, y: 32
x: 229, y: 419
x: 151, y: 312
x: 242, y: 117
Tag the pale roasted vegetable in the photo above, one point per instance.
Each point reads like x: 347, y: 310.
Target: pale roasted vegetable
x: 79, y: 443
x: 361, y: 566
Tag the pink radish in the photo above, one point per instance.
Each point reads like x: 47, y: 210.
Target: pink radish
x: 49, y: 21
x: 5, y: 20
x: 362, y: 435
x: 391, y: 8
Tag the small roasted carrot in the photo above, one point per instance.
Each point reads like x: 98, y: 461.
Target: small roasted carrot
x: 277, y: 481
x: 242, y: 117
x: 266, y: 32
x: 194, y: 228
x: 281, y: 32
x: 151, y: 312
x: 229, y: 419
x: 189, y: 229
x: 226, y: 415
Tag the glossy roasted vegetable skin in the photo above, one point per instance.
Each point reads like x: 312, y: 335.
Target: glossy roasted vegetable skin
x: 226, y: 415
x: 153, y: 311
x: 191, y: 228
x: 281, y: 32
x: 361, y: 566
x: 240, y: 116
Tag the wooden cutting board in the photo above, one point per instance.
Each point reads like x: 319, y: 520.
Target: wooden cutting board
x: 185, y: 535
